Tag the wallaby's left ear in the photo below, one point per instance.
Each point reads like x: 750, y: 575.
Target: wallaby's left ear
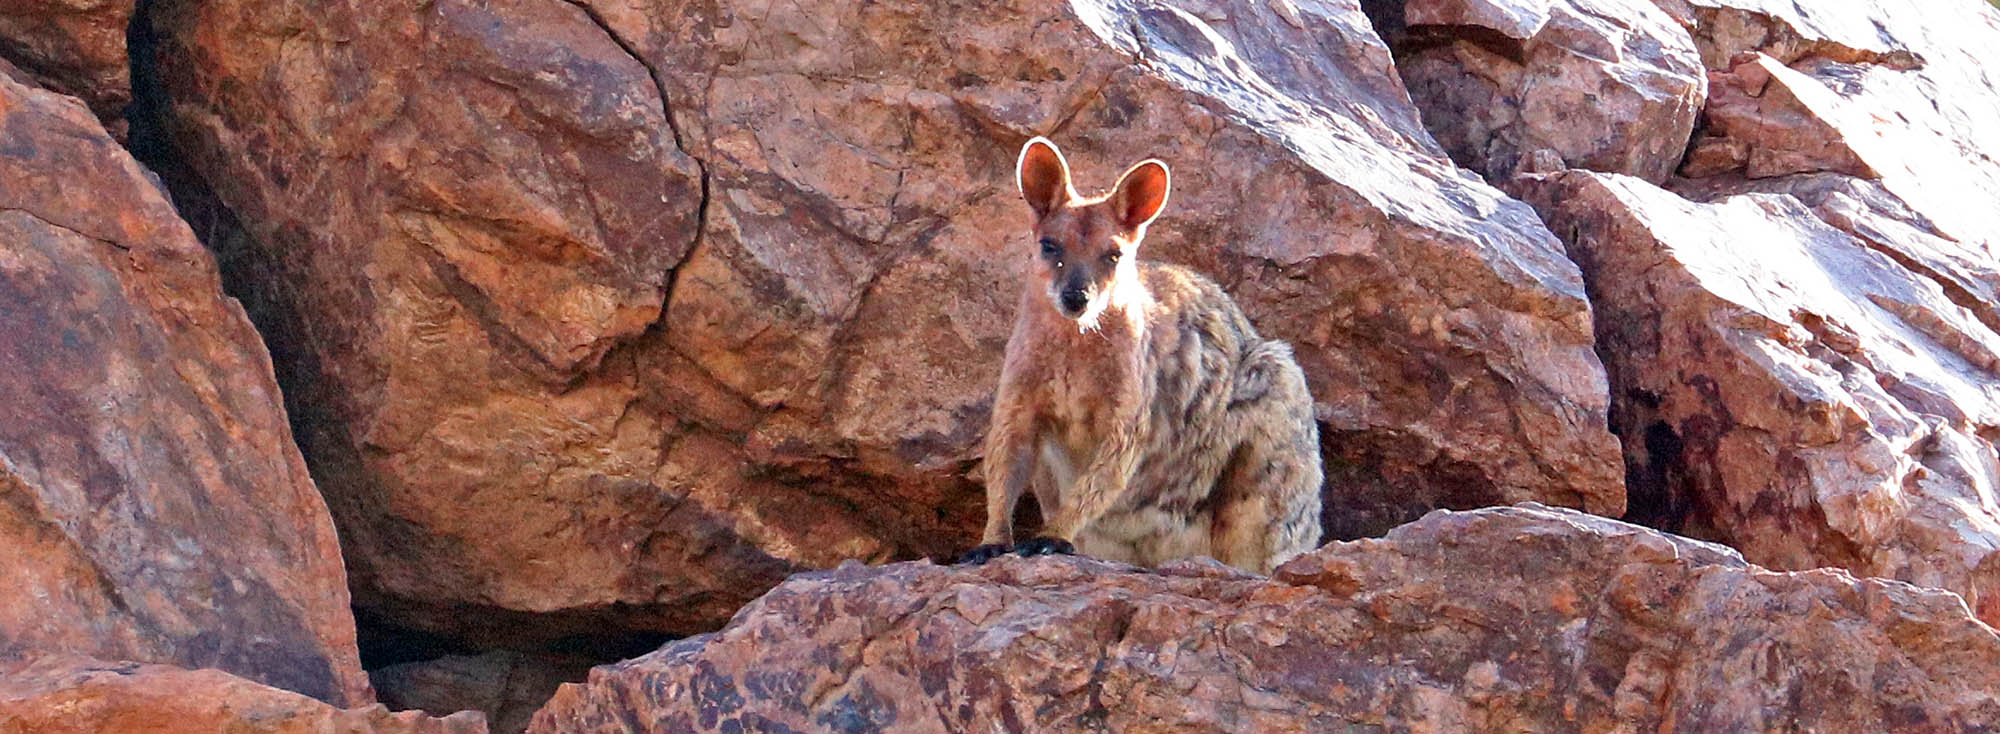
x: 1141, y: 193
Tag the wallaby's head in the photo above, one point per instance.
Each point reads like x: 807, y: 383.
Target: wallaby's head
x: 1087, y: 246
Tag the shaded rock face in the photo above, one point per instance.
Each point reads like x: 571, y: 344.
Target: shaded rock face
x: 1604, y: 85
x: 1528, y: 618
x: 66, y: 694
x: 1803, y: 363
x: 152, y: 504
x: 76, y: 47
x: 507, y: 686
x: 608, y: 316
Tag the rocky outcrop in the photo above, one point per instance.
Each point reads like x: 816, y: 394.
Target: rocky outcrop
x: 1802, y: 350
x: 152, y: 504
x: 1902, y: 98
x: 508, y: 686
x: 65, y: 695
x: 1508, y: 85
x: 1810, y: 400
x: 1766, y: 119
x: 1508, y: 619
x: 615, y: 314
x: 76, y: 47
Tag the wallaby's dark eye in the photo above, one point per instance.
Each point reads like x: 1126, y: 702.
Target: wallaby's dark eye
x: 1050, y: 248
x: 1111, y: 258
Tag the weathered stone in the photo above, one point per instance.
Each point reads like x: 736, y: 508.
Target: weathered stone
x: 1803, y: 367
x: 1868, y: 90
x: 558, y: 358
x: 1606, y: 85
x: 1507, y: 619
x: 76, y: 47
x: 152, y: 504
x: 1765, y: 119
x: 507, y: 686
x: 65, y: 694
x: 1788, y: 388
x: 1791, y: 31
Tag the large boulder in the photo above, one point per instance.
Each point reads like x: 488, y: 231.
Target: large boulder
x: 1506, y: 619
x: 74, y: 695
x: 1809, y: 400
x: 1507, y: 85
x: 1802, y: 344
x: 76, y: 47
x: 614, y: 314
x: 152, y: 504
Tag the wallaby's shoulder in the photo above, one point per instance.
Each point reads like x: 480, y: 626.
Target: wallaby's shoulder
x: 1170, y: 279
x: 1185, y: 291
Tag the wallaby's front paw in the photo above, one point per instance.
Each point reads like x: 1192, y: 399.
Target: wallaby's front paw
x: 984, y: 553
x: 1044, y: 546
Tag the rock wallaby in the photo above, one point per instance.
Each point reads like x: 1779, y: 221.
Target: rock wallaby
x: 1137, y: 400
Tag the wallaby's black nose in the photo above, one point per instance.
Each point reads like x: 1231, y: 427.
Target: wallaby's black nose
x: 1073, y: 301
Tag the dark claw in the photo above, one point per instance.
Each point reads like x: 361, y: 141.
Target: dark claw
x: 1044, y: 546
x: 984, y: 553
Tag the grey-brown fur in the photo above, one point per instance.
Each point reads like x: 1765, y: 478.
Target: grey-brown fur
x: 1152, y: 422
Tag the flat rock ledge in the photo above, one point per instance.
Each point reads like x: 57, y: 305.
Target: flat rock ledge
x: 1504, y: 619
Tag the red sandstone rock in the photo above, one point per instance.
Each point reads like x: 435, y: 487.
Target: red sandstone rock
x: 152, y: 504
x: 76, y: 47
x: 1788, y: 388
x: 1869, y: 90
x: 1507, y: 619
x: 585, y: 368
x: 1765, y: 119
x: 1606, y: 85
x: 62, y: 695
x: 507, y: 686
x: 1804, y: 365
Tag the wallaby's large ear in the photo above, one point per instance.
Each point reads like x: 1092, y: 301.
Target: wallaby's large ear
x: 1141, y: 193
x: 1043, y: 176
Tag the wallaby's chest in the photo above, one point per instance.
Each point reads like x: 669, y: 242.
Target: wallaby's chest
x: 1089, y: 384
x: 1087, y: 398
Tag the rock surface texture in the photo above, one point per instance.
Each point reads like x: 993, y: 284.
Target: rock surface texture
x: 1803, y: 351
x: 64, y: 695
x: 1505, y: 619
x: 152, y: 504
x: 1604, y: 85
x: 76, y: 47
x: 1808, y: 400
x: 616, y: 313
x: 508, y: 686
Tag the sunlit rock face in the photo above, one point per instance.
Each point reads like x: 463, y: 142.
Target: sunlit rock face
x: 1604, y: 85
x: 153, y: 506
x: 1801, y: 335
x: 603, y: 317
x: 1788, y: 388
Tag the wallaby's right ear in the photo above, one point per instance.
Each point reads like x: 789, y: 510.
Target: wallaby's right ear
x: 1043, y: 176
